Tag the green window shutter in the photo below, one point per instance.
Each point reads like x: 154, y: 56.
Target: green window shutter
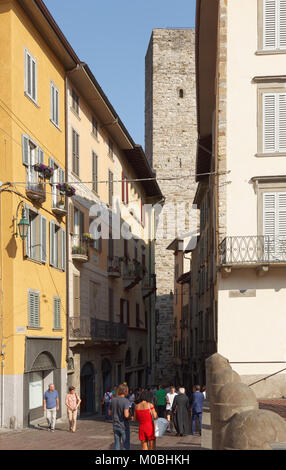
x: 61, y: 175
x: 33, y: 309
x: 43, y: 228
x: 25, y: 150
x: 57, y: 313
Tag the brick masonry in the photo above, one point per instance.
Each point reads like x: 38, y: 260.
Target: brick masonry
x: 170, y: 146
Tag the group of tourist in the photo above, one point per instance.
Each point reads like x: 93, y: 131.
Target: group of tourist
x: 122, y: 405
x: 146, y: 405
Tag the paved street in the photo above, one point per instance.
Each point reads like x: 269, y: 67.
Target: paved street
x: 92, y: 434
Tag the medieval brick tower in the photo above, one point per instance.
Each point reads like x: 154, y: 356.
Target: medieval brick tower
x: 170, y: 146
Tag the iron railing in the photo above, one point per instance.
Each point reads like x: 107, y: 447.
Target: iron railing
x: 114, y: 266
x: 36, y: 190
x: 253, y: 249
x: 132, y: 270
x: 79, y: 246
x: 96, y: 330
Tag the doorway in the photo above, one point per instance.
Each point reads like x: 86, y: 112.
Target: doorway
x: 87, y: 388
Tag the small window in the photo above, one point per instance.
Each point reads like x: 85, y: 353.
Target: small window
x: 181, y: 93
x: 75, y: 102
x: 110, y: 148
x: 30, y: 76
x: 94, y: 126
x: 55, y: 104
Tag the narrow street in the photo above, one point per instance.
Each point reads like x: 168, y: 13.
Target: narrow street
x: 92, y: 433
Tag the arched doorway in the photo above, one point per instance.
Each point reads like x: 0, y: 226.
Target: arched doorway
x: 40, y: 376
x: 87, y: 388
x: 106, y: 368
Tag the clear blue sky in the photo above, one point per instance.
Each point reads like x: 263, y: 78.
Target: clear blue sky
x: 112, y: 37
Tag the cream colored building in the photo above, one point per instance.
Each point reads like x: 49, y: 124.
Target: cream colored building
x: 111, y: 279
x: 241, y: 256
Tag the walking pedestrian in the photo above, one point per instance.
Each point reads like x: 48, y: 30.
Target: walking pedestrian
x: 180, y: 408
x: 119, y: 410
x: 106, y: 403
x: 197, y: 408
x: 72, y: 403
x: 51, y: 406
x: 169, y: 403
x: 145, y: 413
x: 161, y: 401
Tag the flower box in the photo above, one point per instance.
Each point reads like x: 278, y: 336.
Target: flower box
x: 66, y: 189
x: 46, y: 171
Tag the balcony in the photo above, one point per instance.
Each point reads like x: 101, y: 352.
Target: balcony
x: 79, y: 249
x: 114, y: 268
x: 257, y: 251
x: 148, y: 285
x: 36, y: 191
x: 92, y: 329
x: 59, y: 206
x: 132, y: 274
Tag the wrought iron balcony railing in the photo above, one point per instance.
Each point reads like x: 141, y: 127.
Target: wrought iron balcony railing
x: 252, y: 250
x: 132, y: 270
x: 114, y: 267
x: 96, y: 330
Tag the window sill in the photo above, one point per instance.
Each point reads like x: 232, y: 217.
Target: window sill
x: 270, y: 52
x: 56, y: 126
x: 275, y: 154
x: 42, y: 263
x: 31, y: 99
x: 34, y: 328
x: 58, y: 329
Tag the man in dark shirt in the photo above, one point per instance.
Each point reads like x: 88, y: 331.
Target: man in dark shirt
x: 119, y: 409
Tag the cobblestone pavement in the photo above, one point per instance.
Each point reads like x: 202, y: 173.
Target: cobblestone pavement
x: 92, y: 434
x: 278, y: 406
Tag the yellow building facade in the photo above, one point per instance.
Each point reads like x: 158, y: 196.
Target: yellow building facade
x: 33, y: 270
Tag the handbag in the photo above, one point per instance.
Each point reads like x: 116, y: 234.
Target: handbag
x: 161, y: 425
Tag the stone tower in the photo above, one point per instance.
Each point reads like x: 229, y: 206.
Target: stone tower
x: 170, y: 146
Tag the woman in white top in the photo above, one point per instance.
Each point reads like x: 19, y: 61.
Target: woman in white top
x: 169, y: 402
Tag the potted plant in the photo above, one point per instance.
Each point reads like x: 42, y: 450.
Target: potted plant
x: 66, y: 189
x: 46, y: 171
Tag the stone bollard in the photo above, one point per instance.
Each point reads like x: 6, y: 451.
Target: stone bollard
x: 232, y: 398
x: 213, y: 364
x: 254, y: 430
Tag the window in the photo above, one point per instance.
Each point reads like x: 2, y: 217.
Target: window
x: 57, y: 313
x: 54, y: 104
x: 58, y: 177
x: 75, y: 152
x: 143, y: 213
x: 30, y: 76
x: 93, y: 291
x: 33, y: 309
x: 124, y: 189
x: 124, y: 311
x: 36, y: 241
x: 76, y: 295
x: 75, y: 102
x: 57, y: 246
x: 31, y: 154
x: 94, y: 172
x: 137, y: 316
x: 181, y: 93
x: 273, y: 24
x: 110, y: 187
x: 274, y: 224
x: 274, y: 122
x: 110, y: 148
x: 94, y: 127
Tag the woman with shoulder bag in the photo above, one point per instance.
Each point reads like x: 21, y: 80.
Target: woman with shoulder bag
x: 72, y: 403
x: 145, y: 413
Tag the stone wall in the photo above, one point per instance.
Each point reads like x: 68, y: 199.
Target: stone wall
x: 170, y: 146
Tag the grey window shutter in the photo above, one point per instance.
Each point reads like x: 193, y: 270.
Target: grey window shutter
x: 25, y: 150
x: 43, y: 239
x: 52, y: 243
x: 34, y: 309
x: 28, y: 238
x: 63, y: 249
x: 40, y: 155
x: 52, y: 165
x: 61, y: 175
x: 57, y: 313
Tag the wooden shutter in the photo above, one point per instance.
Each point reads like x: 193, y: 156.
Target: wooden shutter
x: 269, y: 122
x: 34, y: 79
x: 121, y: 310
x: 43, y: 236
x: 25, y: 150
x: 94, y: 172
x: 28, y: 238
x: 123, y: 187
x: 281, y: 131
x: 269, y: 222
x: 33, y: 309
x: 270, y: 26
x: 282, y: 25
x: 281, y: 220
x: 57, y: 313
x: 52, y: 165
x: 76, y: 295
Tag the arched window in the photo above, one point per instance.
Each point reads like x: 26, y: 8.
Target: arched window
x: 181, y: 93
x: 44, y: 361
